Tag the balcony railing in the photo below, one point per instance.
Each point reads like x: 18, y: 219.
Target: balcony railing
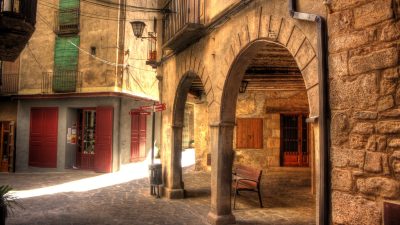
x: 183, y: 24
x: 67, y: 21
x: 9, y: 83
x: 65, y: 81
x: 25, y: 9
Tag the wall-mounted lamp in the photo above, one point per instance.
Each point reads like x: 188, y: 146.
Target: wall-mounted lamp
x: 243, y: 86
x: 138, y: 28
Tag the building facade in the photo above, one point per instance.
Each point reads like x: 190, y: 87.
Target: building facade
x: 81, y: 82
x: 280, y: 83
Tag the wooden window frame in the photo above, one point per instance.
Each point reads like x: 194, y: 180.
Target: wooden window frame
x: 249, y: 133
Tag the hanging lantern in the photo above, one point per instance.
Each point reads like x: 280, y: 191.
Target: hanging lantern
x: 243, y: 86
x: 138, y: 28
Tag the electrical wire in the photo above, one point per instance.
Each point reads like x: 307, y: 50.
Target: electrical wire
x: 34, y: 57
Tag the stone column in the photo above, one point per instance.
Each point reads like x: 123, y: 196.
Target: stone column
x: 174, y: 188
x: 221, y: 135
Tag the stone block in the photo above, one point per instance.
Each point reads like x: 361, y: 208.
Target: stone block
x: 340, y: 22
x: 387, y: 86
x: 394, y: 143
x: 379, y: 186
x: 348, y: 41
x: 394, y: 163
x: 394, y: 113
x: 338, y: 64
x: 390, y: 32
x: 385, y: 103
x: 354, y: 210
x: 358, y: 141
x: 381, y: 142
x: 342, y: 180
x: 376, y: 60
x: 339, y: 128
x: 372, y: 13
x: 363, y: 90
x: 338, y: 5
x: 373, y: 162
x: 365, y: 115
x: 388, y: 127
x: 285, y: 32
x: 295, y: 41
x: 363, y: 128
x: 305, y: 54
x: 309, y: 74
x: 356, y: 158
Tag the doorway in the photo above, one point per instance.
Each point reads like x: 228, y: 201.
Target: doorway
x: 86, y: 133
x: 294, y: 141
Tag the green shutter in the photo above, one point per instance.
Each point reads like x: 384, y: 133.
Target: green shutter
x: 68, y: 4
x: 65, y: 64
x: 68, y: 14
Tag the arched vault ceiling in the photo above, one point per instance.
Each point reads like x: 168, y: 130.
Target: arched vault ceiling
x: 273, y: 68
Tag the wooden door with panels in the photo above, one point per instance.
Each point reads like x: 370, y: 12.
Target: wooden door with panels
x: 7, y: 146
x: 138, y: 135
x: 294, y: 146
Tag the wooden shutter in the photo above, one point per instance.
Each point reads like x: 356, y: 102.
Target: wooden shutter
x: 65, y: 64
x: 104, y: 139
x: 249, y: 133
x: 43, y: 137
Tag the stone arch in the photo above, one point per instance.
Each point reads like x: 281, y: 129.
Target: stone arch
x: 174, y: 183
x: 243, y: 48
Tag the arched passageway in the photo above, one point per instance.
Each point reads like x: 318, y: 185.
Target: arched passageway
x: 265, y: 66
x: 189, y: 116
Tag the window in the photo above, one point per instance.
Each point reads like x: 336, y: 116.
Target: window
x: 249, y: 133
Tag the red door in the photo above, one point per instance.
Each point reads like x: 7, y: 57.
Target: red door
x: 43, y: 137
x: 104, y: 139
x: 138, y: 136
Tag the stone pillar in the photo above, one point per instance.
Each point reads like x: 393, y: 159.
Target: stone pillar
x: 221, y: 173
x: 174, y: 187
x: 317, y: 171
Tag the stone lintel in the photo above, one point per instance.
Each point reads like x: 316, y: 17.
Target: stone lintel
x: 312, y: 119
x: 215, y: 219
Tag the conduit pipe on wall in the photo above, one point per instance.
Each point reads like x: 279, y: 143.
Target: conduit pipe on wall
x: 324, y: 189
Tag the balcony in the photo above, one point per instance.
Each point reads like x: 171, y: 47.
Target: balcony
x: 9, y: 84
x: 17, y: 24
x: 63, y: 81
x: 67, y: 22
x: 183, y: 25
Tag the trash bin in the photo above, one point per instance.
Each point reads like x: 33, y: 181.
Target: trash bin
x: 155, y: 179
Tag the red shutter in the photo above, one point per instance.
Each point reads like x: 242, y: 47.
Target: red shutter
x: 138, y: 136
x: 135, y: 154
x: 104, y: 139
x: 43, y: 137
x: 142, y: 134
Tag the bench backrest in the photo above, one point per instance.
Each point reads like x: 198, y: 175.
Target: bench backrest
x: 248, y: 172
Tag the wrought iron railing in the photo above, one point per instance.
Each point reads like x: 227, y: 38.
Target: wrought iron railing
x: 63, y: 81
x: 9, y: 83
x: 181, y: 13
x: 67, y: 21
x: 25, y: 9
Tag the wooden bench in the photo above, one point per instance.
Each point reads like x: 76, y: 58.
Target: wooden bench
x: 246, y: 179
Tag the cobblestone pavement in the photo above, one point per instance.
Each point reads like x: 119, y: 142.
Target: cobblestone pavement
x: 130, y: 203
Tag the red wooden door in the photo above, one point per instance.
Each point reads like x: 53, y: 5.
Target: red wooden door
x: 104, y: 139
x: 294, y: 146
x: 138, y: 136
x: 43, y: 137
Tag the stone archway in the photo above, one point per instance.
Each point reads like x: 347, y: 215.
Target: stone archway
x: 223, y: 150
x: 174, y: 186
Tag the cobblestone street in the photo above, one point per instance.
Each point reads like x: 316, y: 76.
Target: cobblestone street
x: 130, y: 202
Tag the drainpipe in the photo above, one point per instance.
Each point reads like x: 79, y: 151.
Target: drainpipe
x: 324, y: 201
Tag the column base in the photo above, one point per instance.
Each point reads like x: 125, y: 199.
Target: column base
x: 174, y: 193
x: 220, y: 219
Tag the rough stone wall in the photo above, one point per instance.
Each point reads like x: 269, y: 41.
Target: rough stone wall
x: 8, y: 110
x: 201, y: 136
x: 364, y: 99
x: 267, y: 105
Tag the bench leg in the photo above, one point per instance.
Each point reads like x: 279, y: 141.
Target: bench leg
x: 259, y: 198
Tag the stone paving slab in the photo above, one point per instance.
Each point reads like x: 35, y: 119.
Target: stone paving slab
x: 130, y: 203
